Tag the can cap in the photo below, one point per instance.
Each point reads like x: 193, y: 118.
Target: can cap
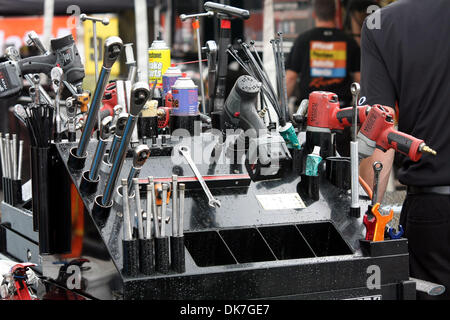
x: 173, y: 65
x: 184, y: 75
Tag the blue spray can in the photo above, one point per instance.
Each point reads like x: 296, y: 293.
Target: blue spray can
x: 185, y: 97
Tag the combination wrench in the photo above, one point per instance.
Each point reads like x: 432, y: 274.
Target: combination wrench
x: 186, y: 153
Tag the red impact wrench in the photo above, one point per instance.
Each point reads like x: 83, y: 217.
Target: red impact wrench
x: 325, y: 114
x: 378, y: 132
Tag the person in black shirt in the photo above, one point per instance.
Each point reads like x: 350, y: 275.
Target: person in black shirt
x: 325, y: 58
x: 406, y: 62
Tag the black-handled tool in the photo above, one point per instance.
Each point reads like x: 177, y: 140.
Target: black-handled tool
x: 177, y: 254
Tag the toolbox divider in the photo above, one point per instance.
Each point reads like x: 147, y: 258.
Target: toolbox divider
x: 286, y: 242
x: 208, y: 249
x: 265, y: 243
x: 247, y: 245
x: 324, y: 239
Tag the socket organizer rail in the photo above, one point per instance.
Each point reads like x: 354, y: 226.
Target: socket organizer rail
x: 265, y: 237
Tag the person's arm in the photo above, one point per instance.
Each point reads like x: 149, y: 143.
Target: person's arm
x: 378, y: 88
x: 291, y: 80
x: 366, y: 170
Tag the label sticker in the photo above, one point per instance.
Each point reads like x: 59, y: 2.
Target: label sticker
x: 281, y: 201
x: 328, y: 59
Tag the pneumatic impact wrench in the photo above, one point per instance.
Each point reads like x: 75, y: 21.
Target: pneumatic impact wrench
x: 266, y: 149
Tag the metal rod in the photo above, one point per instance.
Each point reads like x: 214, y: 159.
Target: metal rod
x: 200, y: 67
x: 283, y: 73
x: 2, y: 154
x: 163, y: 210
x: 19, y: 170
x: 175, y: 230
x: 181, y: 211
x: 127, y: 232
x: 137, y: 197
x: 150, y: 212
x: 14, y: 155
x: 7, y: 155
x: 430, y: 288
x: 94, y: 30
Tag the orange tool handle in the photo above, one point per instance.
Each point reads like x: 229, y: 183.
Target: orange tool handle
x: 381, y: 222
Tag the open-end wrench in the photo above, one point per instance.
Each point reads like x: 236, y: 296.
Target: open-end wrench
x: 369, y: 219
x: 377, y: 167
x: 186, y: 153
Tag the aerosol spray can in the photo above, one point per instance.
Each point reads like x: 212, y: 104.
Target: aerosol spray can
x: 169, y: 78
x: 185, y: 97
x: 185, y: 113
x: 159, y: 61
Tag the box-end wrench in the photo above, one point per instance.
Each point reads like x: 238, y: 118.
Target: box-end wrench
x: 140, y: 156
x: 105, y: 132
x: 119, y: 129
x: 186, y: 153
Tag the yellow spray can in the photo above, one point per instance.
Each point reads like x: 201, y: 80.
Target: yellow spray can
x: 159, y: 61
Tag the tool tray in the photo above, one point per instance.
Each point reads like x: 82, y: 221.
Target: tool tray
x: 242, y: 250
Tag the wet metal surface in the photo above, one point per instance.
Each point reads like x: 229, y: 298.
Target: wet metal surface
x: 240, y: 215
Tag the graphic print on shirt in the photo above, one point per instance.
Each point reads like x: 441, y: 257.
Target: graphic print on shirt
x: 328, y: 59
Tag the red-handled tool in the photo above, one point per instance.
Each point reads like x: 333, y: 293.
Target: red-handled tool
x: 325, y: 114
x: 19, y: 273
x: 109, y: 100
x: 370, y: 224
x: 378, y: 132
